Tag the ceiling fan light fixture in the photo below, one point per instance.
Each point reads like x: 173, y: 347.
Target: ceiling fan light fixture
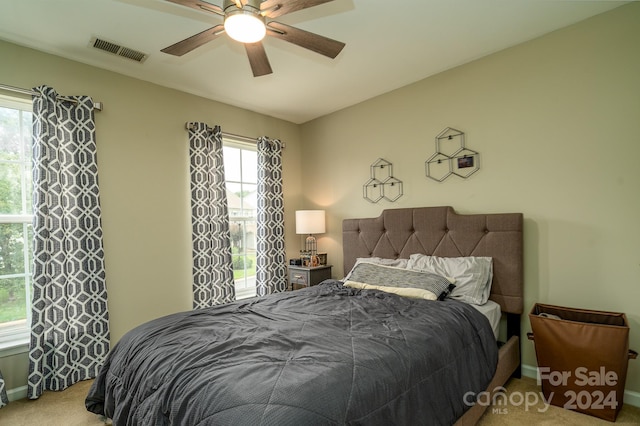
x: 245, y: 26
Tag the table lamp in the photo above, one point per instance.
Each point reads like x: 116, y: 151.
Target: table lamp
x: 310, y: 222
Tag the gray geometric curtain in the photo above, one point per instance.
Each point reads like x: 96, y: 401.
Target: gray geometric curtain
x: 271, y: 267
x: 70, y: 321
x: 4, y: 400
x: 212, y: 265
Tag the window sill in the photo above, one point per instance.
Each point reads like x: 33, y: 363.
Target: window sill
x: 14, y: 339
x: 245, y: 294
x: 14, y: 347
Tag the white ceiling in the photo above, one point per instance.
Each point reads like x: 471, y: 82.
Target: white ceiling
x: 389, y: 44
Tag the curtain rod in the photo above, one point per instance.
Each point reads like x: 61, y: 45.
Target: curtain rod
x: 96, y: 105
x: 237, y: 137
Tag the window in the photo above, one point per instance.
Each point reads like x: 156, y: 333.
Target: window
x: 16, y: 217
x: 241, y: 170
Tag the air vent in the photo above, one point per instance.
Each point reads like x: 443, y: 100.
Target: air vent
x: 116, y: 49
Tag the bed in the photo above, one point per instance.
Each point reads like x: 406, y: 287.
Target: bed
x: 440, y: 231
x: 331, y: 353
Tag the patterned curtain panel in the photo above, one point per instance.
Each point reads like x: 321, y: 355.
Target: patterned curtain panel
x: 271, y: 267
x: 212, y: 266
x: 70, y: 322
x: 4, y: 400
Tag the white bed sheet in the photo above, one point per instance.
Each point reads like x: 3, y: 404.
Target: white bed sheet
x: 491, y: 310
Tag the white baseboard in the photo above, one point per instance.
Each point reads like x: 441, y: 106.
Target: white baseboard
x: 630, y: 397
x: 17, y: 393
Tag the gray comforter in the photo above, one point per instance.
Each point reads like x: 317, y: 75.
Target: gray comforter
x: 325, y: 355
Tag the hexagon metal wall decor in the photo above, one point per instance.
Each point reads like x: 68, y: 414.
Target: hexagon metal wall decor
x: 381, y: 168
x: 452, y: 157
x: 449, y: 141
x: 372, y: 190
x: 438, y: 167
x: 466, y: 162
x: 382, y: 184
x: 392, y: 189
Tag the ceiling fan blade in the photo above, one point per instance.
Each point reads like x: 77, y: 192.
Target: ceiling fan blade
x: 275, y: 8
x: 258, y: 59
x: 188, y: 44
x: 200, y: 5
x: 319, y: 44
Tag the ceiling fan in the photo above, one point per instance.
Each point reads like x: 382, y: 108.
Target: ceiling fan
x: 246, y: 22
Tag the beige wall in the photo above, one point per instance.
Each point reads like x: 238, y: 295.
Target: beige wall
x: 557, y: 124
x: 144, y: 181
x: 555, y: 120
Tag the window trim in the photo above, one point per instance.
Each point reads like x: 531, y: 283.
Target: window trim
x: 14, y: 339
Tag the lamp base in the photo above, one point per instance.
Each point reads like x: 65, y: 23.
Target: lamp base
x: 311, y: 245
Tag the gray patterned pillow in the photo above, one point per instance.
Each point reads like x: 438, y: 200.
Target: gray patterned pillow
x: 396, y: 263
x: 406, y: 282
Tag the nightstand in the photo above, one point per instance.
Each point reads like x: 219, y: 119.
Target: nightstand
x: 305, y: 276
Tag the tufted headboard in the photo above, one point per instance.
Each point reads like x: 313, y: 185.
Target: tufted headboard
x: 440, y: 231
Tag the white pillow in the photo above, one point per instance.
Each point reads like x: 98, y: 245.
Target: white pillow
x: 473, y: 275
x: 396, y: 263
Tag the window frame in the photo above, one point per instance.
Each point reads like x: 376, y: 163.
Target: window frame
x: 231, y: 142
x: 14, y: 338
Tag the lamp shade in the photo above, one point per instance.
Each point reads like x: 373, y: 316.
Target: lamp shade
x: 310, y: 222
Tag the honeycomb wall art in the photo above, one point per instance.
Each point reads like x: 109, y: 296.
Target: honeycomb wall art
x: 452, y: 157
x: 382, y: 184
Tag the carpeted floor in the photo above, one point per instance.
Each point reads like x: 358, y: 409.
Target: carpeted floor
x: 66, y: 408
